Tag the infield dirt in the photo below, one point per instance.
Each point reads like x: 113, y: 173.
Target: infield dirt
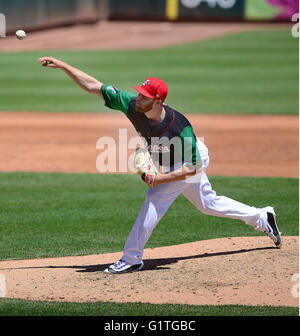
x: 238, y: 145
x: 127, y: 35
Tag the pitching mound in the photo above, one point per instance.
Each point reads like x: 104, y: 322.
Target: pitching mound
x: 243, y: 271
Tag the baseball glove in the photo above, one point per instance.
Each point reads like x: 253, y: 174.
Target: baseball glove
x: 145, y: 166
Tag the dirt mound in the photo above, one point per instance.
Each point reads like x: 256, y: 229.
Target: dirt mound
x: 242, y: 271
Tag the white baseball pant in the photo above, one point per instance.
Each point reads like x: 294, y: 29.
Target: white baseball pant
x: 199, y: 192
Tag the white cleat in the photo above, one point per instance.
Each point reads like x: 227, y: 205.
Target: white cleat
x: 271, y: 226
x: 121, y: 266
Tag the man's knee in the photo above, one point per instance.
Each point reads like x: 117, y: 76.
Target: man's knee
x: 208, y: 206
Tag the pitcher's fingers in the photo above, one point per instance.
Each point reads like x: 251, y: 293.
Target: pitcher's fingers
x: 42, y: 59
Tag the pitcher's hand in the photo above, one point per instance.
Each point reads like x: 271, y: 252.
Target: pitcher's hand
x: 51, y: 62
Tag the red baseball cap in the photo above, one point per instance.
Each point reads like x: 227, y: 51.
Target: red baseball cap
x: 153, y: 88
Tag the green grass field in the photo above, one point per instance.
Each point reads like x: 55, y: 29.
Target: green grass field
x: 11, y: 307
x: 56, y: 214
x: 245, y: 73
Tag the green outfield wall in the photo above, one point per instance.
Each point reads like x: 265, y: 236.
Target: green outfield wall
x: 38, y: 14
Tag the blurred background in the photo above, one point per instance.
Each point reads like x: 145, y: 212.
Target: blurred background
x: 38, y: 14
x: 217, y: 56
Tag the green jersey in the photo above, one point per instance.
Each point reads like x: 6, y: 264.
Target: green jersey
x: 170, y: 142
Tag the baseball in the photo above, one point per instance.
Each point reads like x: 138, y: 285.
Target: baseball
x: 20, y: 34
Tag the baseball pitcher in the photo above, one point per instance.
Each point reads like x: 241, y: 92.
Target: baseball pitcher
x: 172, y: 162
